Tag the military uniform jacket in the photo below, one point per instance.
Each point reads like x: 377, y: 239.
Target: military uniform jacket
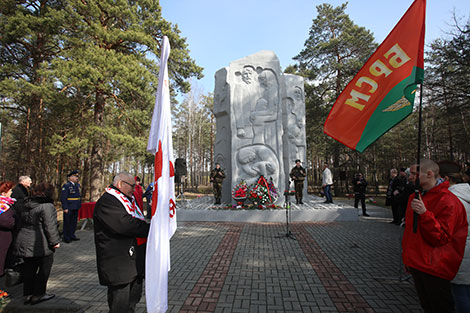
x: 115, y: 241
x: 297, y: 174
x: 70, y: 196
x: 217, y: 176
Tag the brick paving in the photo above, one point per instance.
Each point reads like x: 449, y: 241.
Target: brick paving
x: 247, y: 267
x: 206, y: 292
x: 341, y: 291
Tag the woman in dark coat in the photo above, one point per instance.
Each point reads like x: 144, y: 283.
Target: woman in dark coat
x: 7, y: 224
x: 37, y: 240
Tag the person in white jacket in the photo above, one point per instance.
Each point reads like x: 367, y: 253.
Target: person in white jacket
x: 327, y: 182
x: 461, y: 283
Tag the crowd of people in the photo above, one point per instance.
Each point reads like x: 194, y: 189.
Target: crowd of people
x: 430, y: 200
x: 29, y: 235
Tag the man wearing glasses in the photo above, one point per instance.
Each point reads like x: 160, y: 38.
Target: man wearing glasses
x: 119, y: 227
x: 71, y: 202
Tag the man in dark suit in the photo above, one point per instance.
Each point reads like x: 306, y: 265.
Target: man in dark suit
x: 117, y: 224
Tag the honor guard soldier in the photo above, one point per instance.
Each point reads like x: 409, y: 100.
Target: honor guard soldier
x: 217, y: 178
x: 297, y: 174
x: 71, y: 202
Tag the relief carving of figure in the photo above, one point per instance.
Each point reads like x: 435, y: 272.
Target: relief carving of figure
x: 264, y: 114
x: 296, y: 124
x: 257, y: 160
x: 245, y: 91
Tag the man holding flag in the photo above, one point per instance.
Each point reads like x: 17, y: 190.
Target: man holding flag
x: 163, y: 223
x: 117, y: 222
x: 434, y: 252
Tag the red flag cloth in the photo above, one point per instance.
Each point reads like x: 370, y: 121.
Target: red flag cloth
x: 139, y: 196
x: 382, y: 94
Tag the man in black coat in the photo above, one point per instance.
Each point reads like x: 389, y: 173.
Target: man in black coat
x: 359, y: 186
x: 116, y: 228
x: 20, y: 192
x: 394, y: 194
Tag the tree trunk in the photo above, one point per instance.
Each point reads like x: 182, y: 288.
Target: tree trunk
x: 96, y: 157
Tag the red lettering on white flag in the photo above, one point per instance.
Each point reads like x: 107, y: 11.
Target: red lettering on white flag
x: 163, y: 224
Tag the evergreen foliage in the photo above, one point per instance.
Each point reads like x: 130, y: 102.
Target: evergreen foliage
x: 78, y: 82
x: 333, y: 53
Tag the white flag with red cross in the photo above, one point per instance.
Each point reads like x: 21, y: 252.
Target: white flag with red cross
x: 163, y: 223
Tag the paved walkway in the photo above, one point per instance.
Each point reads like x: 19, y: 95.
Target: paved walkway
x: 243, y: 267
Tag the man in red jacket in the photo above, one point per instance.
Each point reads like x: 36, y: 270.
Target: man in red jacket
x: 433, y: 253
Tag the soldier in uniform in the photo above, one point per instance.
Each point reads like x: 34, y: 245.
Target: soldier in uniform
x: 217, y: 178
x: 71, y: 202
x: 297, y: 174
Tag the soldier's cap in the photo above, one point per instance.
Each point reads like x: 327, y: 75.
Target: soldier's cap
x: 297, y: 160
x: 72, y: 173
x: 403, y: 169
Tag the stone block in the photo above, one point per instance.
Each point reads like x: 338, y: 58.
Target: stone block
x: 260, y: 122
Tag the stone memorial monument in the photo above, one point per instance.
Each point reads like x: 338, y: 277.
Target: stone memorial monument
x: 260, y: 121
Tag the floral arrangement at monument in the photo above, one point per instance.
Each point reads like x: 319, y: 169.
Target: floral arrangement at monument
x: 263, y: 192
x: 240, y: 193
x: 272, y: 190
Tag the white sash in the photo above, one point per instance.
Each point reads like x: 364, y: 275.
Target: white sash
x: 131, y: 208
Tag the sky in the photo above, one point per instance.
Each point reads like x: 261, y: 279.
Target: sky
x: 221, y: 31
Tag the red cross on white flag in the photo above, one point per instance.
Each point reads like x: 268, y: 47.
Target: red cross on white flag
x: 163, y: 224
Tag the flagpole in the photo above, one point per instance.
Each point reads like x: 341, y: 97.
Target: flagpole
x: 420, y: 114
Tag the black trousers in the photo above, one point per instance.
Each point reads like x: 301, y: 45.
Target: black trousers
x: 396, y: 211
x: 360, y: 197
x: 124, y: 298
x: 70, y: 224
x: 36, y: 272
x: 435, y: 294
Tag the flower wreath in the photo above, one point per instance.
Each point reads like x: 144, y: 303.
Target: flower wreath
x: 263, y: 192
x: 240, y: 191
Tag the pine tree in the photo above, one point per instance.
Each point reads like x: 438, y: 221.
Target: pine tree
x: 79, y: 78
x: 333, y: 53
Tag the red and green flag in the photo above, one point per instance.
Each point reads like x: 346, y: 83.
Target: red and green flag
x: 382, y: 94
